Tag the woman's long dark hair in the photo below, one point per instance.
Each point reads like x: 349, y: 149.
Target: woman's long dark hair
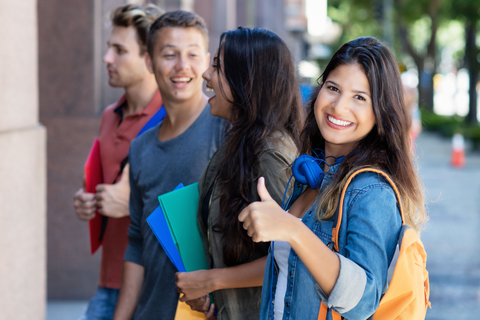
x: 387, y: 146
x: 261, y: 75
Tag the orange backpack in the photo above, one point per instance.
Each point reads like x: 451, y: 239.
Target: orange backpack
x: 408, y: 289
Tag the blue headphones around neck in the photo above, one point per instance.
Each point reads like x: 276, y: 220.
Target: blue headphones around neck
x: 307, y: 169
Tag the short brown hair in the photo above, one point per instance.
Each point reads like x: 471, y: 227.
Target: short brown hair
x: 138, y: 16
x: 176, y: 19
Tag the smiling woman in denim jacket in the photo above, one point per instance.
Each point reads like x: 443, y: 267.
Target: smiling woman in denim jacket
x: 357, y: 112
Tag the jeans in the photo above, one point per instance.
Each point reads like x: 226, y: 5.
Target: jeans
x: 102, y: 305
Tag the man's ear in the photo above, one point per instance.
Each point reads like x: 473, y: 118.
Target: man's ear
x: 148, y: 62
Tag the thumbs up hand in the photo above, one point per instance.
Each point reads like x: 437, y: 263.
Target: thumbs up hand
x: 265, y: 220
x: 112, y: 200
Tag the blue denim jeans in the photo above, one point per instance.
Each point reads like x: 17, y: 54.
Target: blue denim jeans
x: 102, y: 305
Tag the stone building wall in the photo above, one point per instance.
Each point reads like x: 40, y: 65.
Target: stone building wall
x: 22, y: 167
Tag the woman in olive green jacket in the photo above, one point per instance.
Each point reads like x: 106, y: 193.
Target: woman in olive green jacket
x: 254, y: 80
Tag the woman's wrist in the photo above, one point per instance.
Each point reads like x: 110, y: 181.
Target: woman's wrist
x: 296, y: 229
x: 216, y: 278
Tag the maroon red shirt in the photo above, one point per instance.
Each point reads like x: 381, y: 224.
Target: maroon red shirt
x: 116, y: 133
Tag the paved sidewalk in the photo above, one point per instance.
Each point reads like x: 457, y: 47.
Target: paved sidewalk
x: 452, y: 237
x: 65, y: 310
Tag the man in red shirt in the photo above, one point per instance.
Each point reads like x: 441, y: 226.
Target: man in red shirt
x: 120, y: 124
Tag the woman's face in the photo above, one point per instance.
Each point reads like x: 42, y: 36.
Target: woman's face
x: 220, y: 105
x: 344, y: 110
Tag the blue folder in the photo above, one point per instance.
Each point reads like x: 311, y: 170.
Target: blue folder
x: 159, y: 226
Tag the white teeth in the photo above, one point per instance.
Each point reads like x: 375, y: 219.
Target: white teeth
x: 209, y: 89
x: 181, y: 79
x: 339, y: 122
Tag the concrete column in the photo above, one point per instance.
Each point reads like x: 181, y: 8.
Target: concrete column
x: 22, y: 167
x: 67, y: 109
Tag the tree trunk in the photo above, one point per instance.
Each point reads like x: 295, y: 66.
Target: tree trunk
x: 425, y: 94
x: 425, y: 76
x: 425, y: 72
x: 472, y: 95
x: 473, y: 68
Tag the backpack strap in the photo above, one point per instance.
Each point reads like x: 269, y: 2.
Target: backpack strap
x: 154, y: 120
x: 339, y: 213
x: 338, y: 217
x: 322, y: 314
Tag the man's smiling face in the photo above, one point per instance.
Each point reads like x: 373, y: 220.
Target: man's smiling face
x: 179, y: 59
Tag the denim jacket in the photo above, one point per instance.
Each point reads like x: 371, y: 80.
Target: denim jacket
x: 370, y: 227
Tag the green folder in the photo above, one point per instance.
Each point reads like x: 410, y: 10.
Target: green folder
x: 180, y: 210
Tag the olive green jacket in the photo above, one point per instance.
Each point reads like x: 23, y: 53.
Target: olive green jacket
x: 274, y: 164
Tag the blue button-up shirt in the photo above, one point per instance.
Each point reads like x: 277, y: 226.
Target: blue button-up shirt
x: 371, y: 224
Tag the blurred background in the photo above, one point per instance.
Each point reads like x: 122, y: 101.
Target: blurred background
x: 53, y: 88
